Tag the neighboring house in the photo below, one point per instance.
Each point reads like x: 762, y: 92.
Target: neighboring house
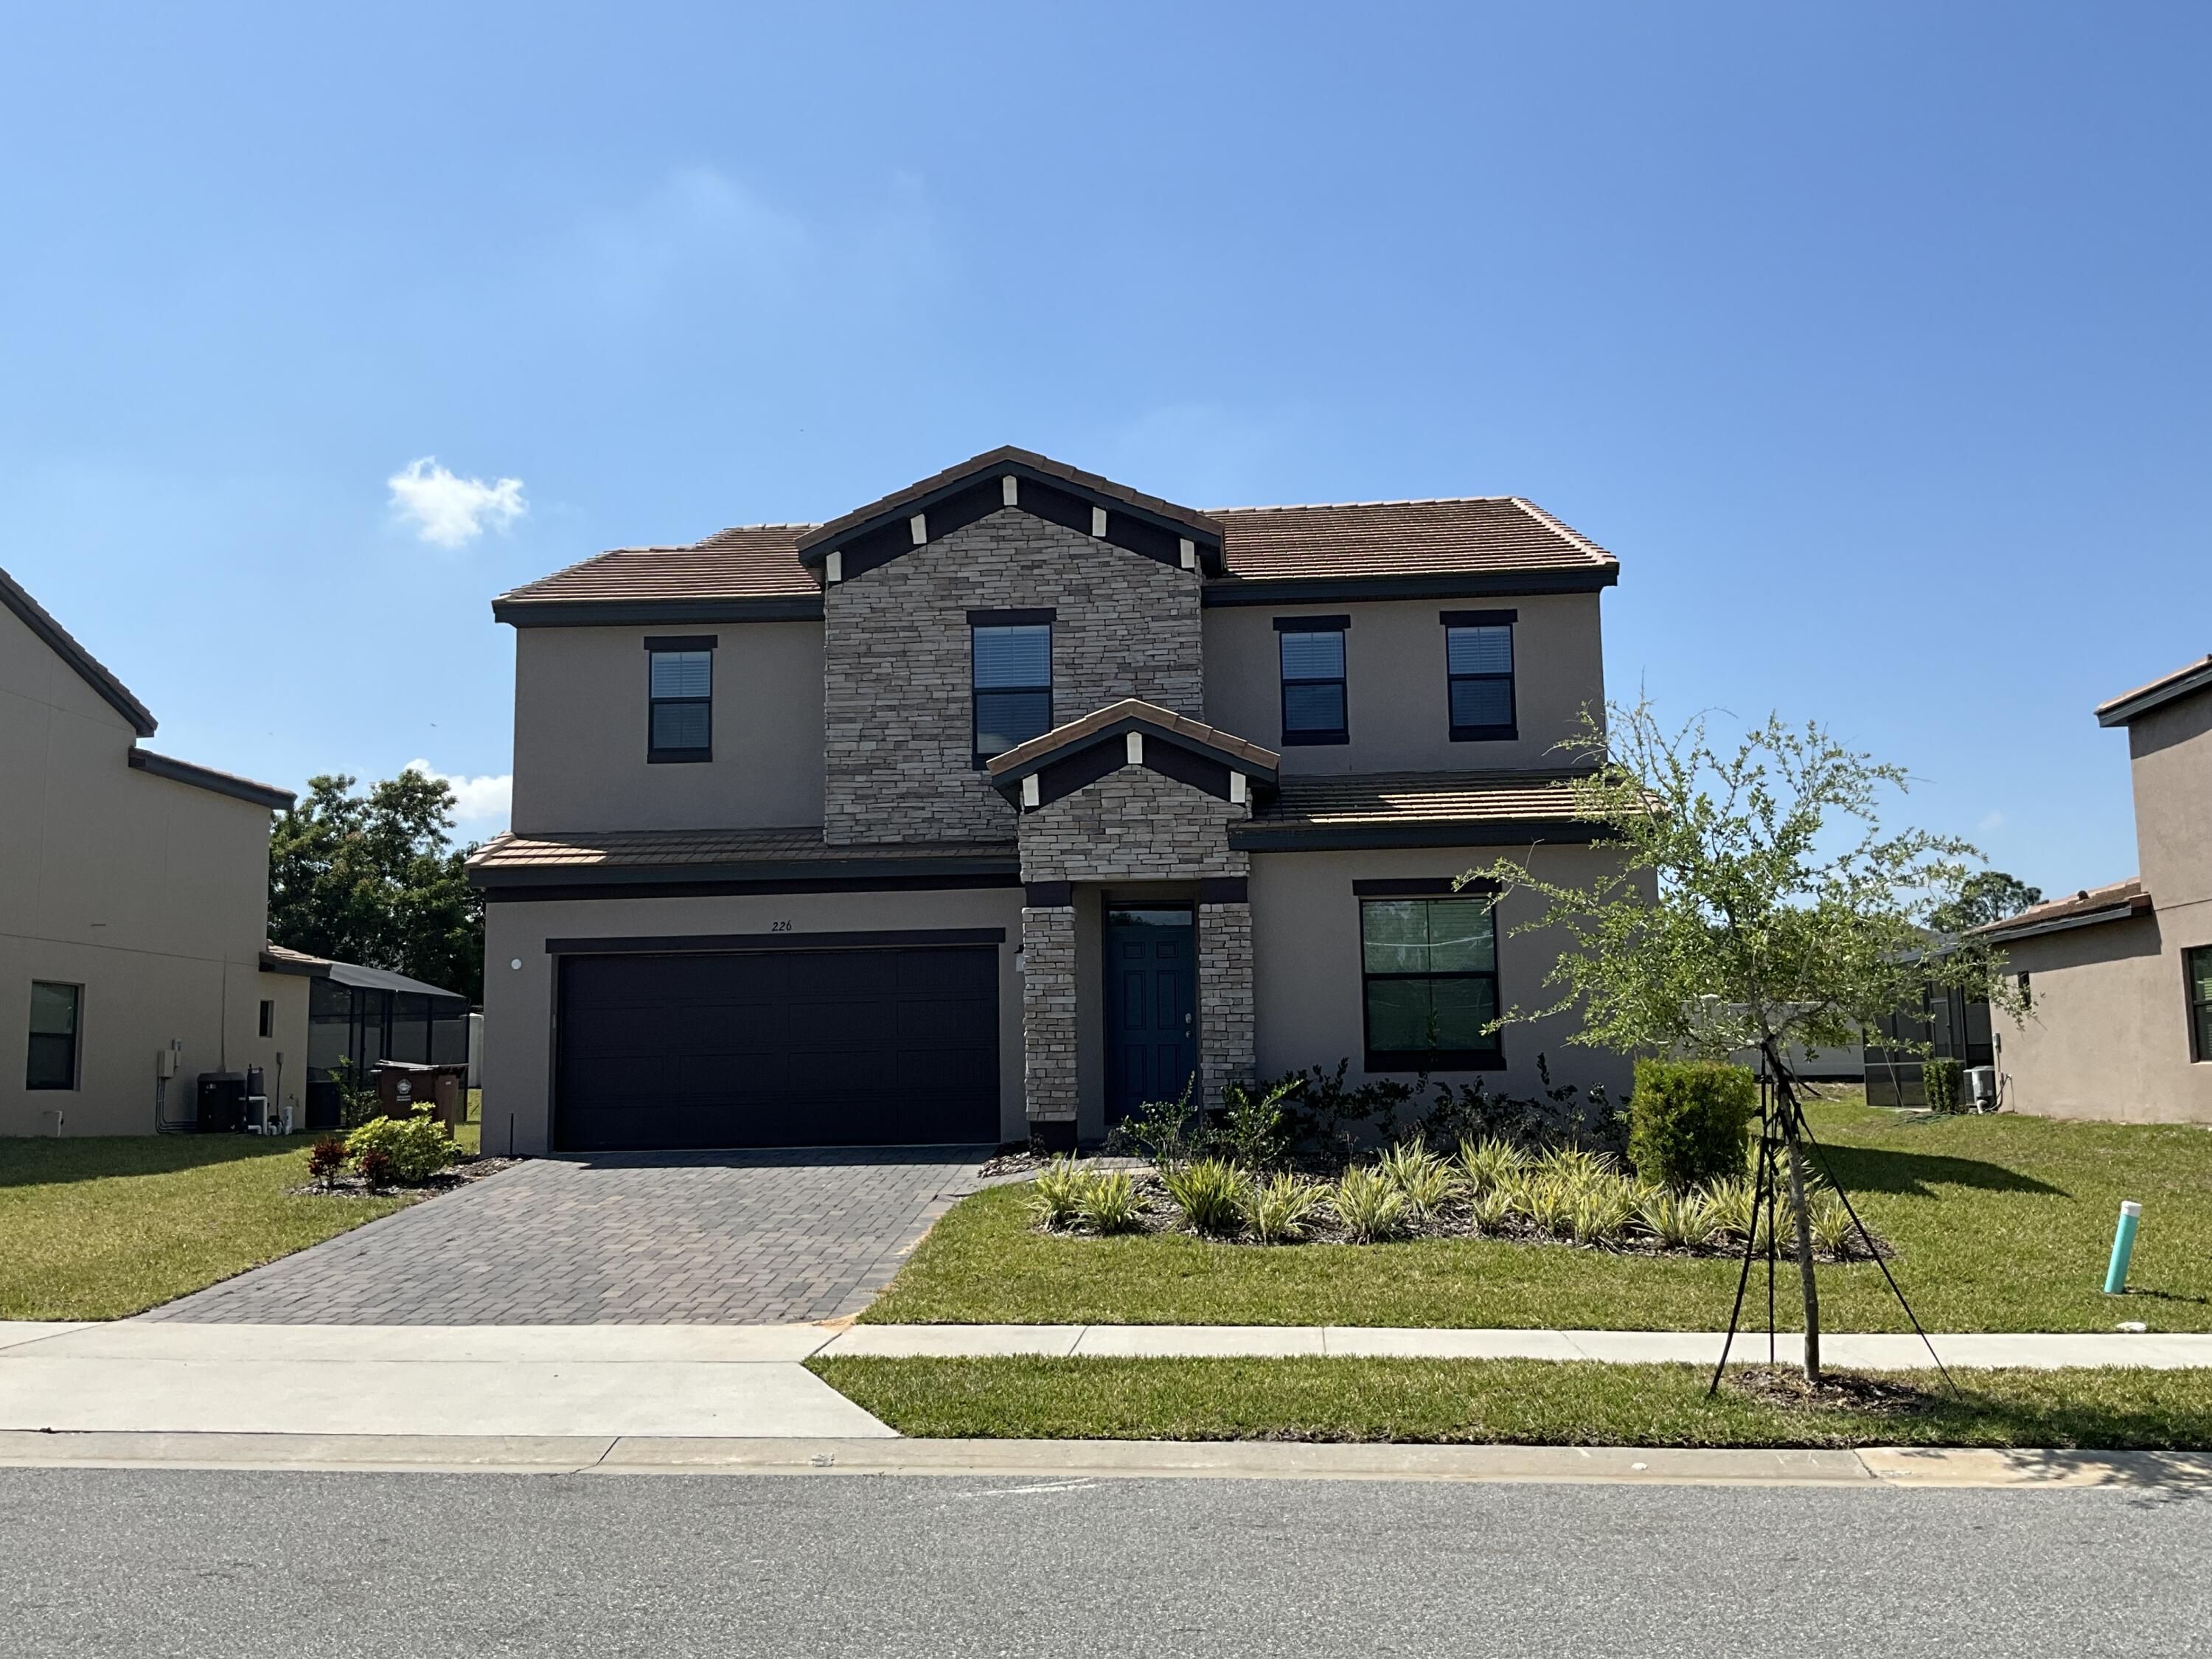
x: 2121, y: 976
x: 133, y: 904
x: 360, y: 1016
x: 1016, y: 797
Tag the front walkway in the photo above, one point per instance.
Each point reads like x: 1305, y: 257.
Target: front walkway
x: 688, y: 1238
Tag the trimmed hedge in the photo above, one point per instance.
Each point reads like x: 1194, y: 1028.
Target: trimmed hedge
x: 1942, y: 1084
x: 1689, y: 1120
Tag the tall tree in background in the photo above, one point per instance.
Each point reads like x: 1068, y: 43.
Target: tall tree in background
x: 375, y: 878
x: 1758, y: 904
x: 1986, y: 896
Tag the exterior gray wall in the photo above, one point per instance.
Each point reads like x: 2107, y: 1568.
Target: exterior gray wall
x: 1397, y: 703
x: 2170, y: 755
x: 1133, y: 824
x: 579, y: 732
x: 2109, y: 1034
x: 899, y: 726
x: 518, y: 1064
x: 150, y: 894
x: 1305, y: 927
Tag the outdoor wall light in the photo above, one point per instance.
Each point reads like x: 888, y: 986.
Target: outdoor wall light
x: 516, y: 964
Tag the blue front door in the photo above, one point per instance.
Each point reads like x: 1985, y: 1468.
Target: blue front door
x: 1151, y: 1007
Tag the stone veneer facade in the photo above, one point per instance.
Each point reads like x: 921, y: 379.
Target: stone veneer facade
x: 1133, y: 824
x: 898, y: 735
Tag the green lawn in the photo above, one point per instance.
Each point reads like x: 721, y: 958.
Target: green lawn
x: 1508, y: 1401
x: 2000, y: 1222
x: 100, y: 1228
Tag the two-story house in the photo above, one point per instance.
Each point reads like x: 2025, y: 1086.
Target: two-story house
x: 1001, y: 805
x: 2120, y: 976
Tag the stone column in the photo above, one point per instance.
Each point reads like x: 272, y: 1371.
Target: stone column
x: 1049, y: 1023
x: 1226, y: 1049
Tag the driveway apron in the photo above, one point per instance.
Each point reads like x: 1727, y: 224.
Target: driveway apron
x: 661, y: 1239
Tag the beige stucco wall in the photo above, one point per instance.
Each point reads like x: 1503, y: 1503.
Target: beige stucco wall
x: 2109, y: 1036
x: 152, y: 895
x: 1305, y: 928
x: 1398, y: 706
x: 581, y: 701
x: 518, y: 1064
x: 2170, y: 754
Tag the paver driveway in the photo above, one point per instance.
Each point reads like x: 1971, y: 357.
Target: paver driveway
x: 663, y: 1239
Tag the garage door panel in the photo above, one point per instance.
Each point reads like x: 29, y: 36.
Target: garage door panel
x: 799, y: 1048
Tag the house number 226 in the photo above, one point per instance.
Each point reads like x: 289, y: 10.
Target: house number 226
x: 779, y: 927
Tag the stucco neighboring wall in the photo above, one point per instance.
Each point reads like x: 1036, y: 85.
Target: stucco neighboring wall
x: 2170, y: 752
x: 151, y: 895
x: 899, y: 730
x: 2109, y: 1035
x: 1397, y: 697
x: 1306, y: 950
x: 581, y: 714
x: 518, y: 1062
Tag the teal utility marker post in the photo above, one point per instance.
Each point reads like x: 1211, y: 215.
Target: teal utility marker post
x: 2124, y: 1246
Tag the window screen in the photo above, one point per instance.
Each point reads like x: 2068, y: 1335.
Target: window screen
x: 1012, y: 686
x: 1313, y: 685
x: 1428, y: 980
x: 1479, y: 662
x: 53, y: 1062
x: 683, y: 700
x: 2197, y: 968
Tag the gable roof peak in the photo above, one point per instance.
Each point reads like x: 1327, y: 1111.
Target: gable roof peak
x: 88, y: 668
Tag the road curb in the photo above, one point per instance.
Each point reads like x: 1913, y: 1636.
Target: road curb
x: 1089, y: 1460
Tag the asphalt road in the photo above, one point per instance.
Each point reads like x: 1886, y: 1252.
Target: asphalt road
x: 327, y: 1565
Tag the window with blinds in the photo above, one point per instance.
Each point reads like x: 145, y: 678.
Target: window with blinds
x: 1314, y: 703
x: 1012, y: 686
x: 1429, y: 983
x: 682, y: 714
x: 1478, y: 667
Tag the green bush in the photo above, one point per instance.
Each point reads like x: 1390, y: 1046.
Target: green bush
x: 1211, y: 1193
x: 1942, y: 1084
x: 1110, y: 1204
x: 405, y: 1150
x: 1370, y: 1204
x: 1281, y: 1206
x: 1688, y: 1121
x: 1057, y: 1194
x: 1426, y: 1180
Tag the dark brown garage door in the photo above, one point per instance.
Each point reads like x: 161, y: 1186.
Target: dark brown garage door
x: 795, y: 1048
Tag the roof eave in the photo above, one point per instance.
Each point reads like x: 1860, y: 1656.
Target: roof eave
x: 600, y: 613
x: 87, y: 667
x: 1412, y: 585
x: 2186, y: 683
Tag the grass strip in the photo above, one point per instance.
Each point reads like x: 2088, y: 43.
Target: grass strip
x: 103, y: 1228
x: 2000, y: 1223
x: 1503, y: 1401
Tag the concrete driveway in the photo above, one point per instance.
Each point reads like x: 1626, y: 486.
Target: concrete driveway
x: 661, y: 1239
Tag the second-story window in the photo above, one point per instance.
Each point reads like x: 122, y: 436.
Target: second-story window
x: 1478, y: 664
x: 1314, y: 705
x: 1012, y: 670
x: 680, y: 718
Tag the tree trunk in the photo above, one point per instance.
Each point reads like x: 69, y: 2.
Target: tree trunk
x: 1804, y: 1240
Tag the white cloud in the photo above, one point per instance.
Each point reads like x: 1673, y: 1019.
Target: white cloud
x: 480, y: 804
x: 449, y: 511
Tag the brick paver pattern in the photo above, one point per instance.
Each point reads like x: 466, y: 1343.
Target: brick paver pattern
x: 661, y: 1239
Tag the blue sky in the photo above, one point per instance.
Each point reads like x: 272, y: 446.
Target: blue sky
x: 1873, y: 338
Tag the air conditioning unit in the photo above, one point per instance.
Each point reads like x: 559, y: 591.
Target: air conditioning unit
x: 1982, y: 1088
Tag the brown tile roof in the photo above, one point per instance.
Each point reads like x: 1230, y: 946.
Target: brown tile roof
x: 592, y: 849
x: 284, y: 959
x: 1473, y: 534
x: 975, y: 465
x: 2118, y: 711
x: 2110, y: 902
x: 59, y: 640
x: 1484, y: 535
x: 1374, y: 799
x: 1132, y: 708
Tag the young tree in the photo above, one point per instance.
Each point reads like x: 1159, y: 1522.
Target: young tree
x: 374, y: 879
x: 1758, y: 904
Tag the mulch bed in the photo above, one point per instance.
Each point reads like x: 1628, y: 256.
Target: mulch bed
x: 1877, y: 1396
x: 348, y: 1183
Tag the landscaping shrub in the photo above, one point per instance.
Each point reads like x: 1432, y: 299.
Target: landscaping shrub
x: 1163, y: 1133
x: 376, y: 1167
x: 1489, y: 1163
x: 1281, y: 1206
x: 1370, y: 1204
x: 412, y: 1149
x: 1251, y: 1132
x: 1833, y: 1233
x: 1688, y: 1119
x: 1056, y: 1195
x: 326, y: 1158
x: 1942, y: 1084
x: 1425, y: 1179
x: 1678, y: 1220
x: 1547, y: 1204
x: 1110, y: 1204
x: 1600, y: 1212
x: 1210, y: 1195
x: 1492, y: 1206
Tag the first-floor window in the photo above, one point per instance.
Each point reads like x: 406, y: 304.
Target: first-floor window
x: 1429, y: 979
x: 2196, y: 969
x: 268, y: 1018
x: 54, y: 1035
